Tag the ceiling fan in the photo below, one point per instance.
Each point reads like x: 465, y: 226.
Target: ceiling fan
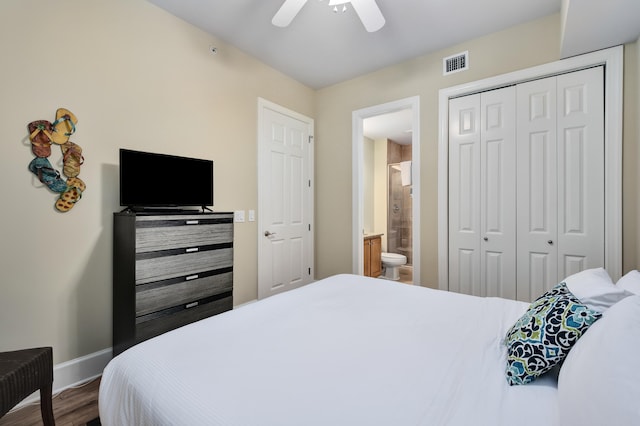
x: 367, y: 10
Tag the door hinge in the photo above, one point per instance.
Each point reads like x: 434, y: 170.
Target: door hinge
x: 309, y: 227
x: 309, y: 183
x: 310, y: 138
x: 309, y: 271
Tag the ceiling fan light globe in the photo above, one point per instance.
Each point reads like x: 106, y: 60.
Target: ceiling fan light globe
x: 367, y: 10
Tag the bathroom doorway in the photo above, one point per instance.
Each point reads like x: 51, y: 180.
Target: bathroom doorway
x: 388, y: 206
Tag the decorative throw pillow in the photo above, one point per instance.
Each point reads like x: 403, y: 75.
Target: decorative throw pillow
x: 543, y: 336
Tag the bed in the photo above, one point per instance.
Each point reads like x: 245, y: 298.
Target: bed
x: 346, y: 350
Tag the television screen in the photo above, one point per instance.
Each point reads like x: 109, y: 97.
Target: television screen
x: 158, y: 180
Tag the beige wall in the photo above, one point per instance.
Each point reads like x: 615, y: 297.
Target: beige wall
x: 631, y: 158
x: 368, y: 193
x: 634, y: 140
x: 380, y: 190
x: 136, y: 77
x: 517, y: 48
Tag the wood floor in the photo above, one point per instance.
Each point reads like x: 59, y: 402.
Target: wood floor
x: 71, y: 407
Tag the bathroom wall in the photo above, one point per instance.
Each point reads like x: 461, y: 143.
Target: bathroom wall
x: 375, y: 188
x: 368, y: 171
x: 380, y: 178
x: 399, y: 205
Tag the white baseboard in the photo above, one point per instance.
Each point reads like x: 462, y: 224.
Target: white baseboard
x: 245, y: 303
x: 73, y: 373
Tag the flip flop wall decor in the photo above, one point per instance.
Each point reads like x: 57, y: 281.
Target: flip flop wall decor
x: 42, y: 135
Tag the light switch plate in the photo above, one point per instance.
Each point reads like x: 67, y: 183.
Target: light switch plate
x: 238, y: 216
x: 252, y: 215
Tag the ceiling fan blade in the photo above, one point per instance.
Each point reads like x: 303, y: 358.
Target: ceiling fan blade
x: 287, y: 12
x: 369, y: 14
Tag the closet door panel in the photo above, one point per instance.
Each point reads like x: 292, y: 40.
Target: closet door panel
x: 538, y: 276
x: 581, y: 171
x: 464, y: 195
x: 537, y: 263
x: 498, y: 193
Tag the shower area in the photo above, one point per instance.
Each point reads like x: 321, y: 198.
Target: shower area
x: 399, y: 210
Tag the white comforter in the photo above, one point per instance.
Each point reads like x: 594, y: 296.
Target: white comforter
x: 346, y: 350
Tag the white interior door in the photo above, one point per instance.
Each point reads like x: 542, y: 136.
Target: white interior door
x: 561, y: 162
x: 580, y: 171
x: 482, y: 223
x: 537, y: 188
x: 498, y: 193
x: 285, y: 169
x: 464, y: 195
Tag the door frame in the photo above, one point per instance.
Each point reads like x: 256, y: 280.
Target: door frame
x: 309, y: 201
x: 612, y: 59
x: 358, y: 118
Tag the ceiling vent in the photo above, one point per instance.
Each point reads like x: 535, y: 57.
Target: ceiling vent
x: 455, y: 63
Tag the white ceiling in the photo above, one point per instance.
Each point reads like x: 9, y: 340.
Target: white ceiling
x: 396, y: 126
x: 321, y: 48
x: 590, y: 25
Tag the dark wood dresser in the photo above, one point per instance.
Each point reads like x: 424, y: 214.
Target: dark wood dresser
x: 169, y: 270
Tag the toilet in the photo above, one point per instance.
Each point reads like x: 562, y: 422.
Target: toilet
x: 391, y: 263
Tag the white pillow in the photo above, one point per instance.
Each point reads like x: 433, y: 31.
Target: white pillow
x: 594, y: 288
x: 630, y: 282
x: 599, y: 380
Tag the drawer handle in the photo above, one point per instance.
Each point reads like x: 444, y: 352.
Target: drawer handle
x: 191, y: 305
x: 192, y: 222
x: 191, y: 250
x: 192, y: 277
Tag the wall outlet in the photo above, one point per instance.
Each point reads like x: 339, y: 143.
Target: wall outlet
x: 238, y: 216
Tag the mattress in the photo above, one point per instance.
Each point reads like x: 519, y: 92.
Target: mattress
x: 346, y: 350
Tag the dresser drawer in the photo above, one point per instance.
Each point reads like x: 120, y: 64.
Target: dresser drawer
x: 169, y: 269
x: 165, y: 294
x: 161, y: 267
x: 162, y: 322
x: 155, y: 235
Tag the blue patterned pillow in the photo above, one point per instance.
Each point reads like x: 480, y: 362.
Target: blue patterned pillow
x: 543, y: 336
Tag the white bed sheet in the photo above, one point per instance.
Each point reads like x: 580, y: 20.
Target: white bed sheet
x: 346, y: 350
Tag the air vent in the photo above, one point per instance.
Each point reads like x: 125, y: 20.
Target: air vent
x: 455, y: 63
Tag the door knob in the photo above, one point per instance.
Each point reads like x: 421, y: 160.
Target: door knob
x: 486, y: 238
x: 550, y: 242
x: 268, y: 233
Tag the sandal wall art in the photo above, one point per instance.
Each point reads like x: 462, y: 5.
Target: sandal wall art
x: 43, y: 134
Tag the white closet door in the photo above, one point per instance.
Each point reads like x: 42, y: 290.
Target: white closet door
x: 482, y: 227
x: 498, y: 193
x: 560, y: 179
x: 580, y: 171
x: 537, y: 188
x: 464, y: 194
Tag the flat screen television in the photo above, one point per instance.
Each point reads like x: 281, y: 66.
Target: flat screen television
x: 152, y: 180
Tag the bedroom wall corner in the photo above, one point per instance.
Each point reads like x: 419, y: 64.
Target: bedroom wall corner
x: 637, y: 144
x: 136, y: 77
x: 633, y: 117
x: 631, y: 158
